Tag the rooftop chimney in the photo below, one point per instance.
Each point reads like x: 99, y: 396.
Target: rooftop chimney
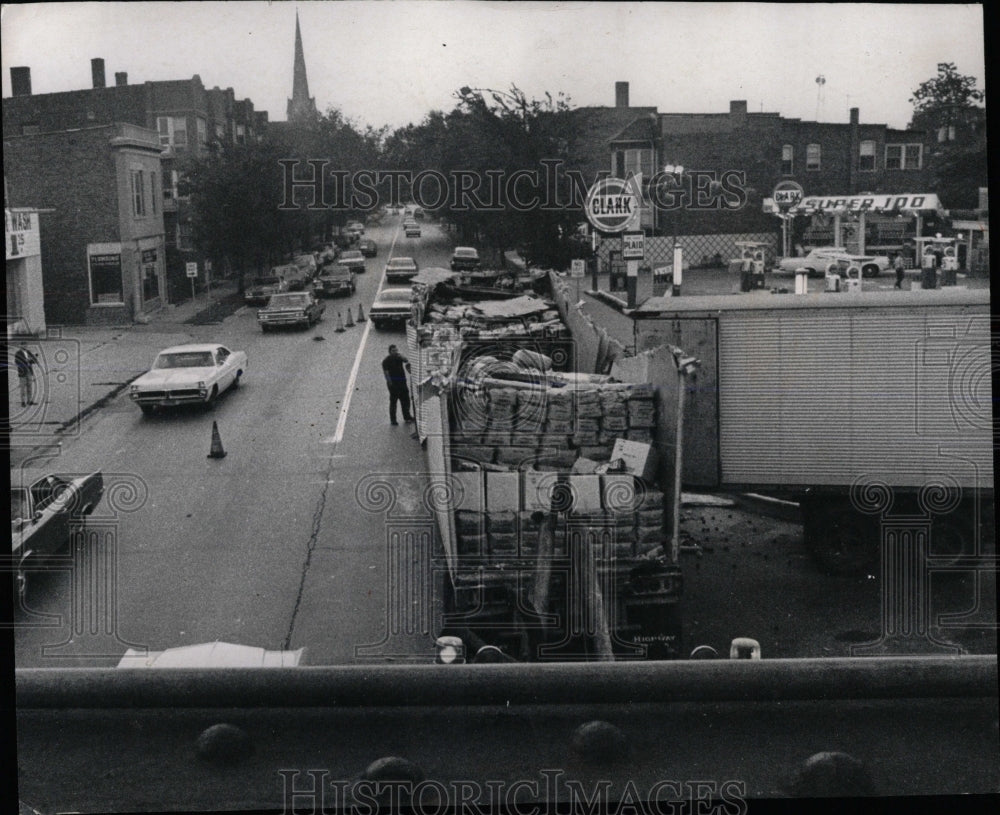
x: 738, y: 106
x: 97, y: 72
x: 121, y: 78
x: 621, y: 94
x: 855, y: 116
x: 20, y: 81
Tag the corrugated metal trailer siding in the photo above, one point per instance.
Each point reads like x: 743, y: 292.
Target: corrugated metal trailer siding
x: 889, y: 395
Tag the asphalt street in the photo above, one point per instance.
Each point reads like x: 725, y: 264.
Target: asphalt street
x: 312, y: 532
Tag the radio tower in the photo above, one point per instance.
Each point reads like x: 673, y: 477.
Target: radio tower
x: 820, y: 82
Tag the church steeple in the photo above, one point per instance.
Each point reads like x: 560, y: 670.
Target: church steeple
x: 301, y: 105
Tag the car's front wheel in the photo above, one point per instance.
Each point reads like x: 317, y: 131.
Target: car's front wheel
x: 870, y: 270
x: 236, y: 381
x: 212, y: 397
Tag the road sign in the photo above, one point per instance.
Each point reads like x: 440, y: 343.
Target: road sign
x: 787, y: 194
x: 192, y: 269
x: 633, y: 246
x: 578, y: 268
x: 613, y: 205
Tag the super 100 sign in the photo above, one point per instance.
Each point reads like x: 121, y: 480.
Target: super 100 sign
x: 612, y: 205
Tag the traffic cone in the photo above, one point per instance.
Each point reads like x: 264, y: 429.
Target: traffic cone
x: 340, y: 324
x: 361, y: 314
x: 350, y: 319
x: 216, y: 451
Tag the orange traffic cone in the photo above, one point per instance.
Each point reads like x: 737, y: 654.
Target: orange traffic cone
x: 361, y: 314
x: 340, y: 324
x: 350, y: 319
x: 216, y: 451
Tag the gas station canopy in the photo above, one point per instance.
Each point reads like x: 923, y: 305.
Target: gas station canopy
x: 855, y: 204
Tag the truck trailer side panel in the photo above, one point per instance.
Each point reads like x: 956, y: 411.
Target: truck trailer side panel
x: 856, y: 396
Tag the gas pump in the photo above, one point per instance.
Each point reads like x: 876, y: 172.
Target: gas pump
x: 937, y: 253
x: 752, y: 254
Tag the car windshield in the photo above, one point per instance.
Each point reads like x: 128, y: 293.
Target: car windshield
x: 184, y: 359
x: 395, y: 296
x: 288, y: 300
x: 266, y: 281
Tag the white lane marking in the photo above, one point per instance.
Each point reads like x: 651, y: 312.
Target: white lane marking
x: 345, y: 405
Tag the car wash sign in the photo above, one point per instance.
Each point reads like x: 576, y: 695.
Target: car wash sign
x: 613, y: 205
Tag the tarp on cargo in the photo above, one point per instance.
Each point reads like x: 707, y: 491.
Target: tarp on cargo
x: 508, y: 309
x: 434, y: 275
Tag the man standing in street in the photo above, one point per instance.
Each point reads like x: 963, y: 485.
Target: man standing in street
x: 900, y: 266
x: 394, y: 367
x: 25, y: 362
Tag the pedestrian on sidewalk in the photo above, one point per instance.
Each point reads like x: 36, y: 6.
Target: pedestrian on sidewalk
x: 394, y: 368
x: 25, y: 362
x: 900, y: 266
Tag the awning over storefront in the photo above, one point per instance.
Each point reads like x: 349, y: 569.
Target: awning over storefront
x: 855, y: 204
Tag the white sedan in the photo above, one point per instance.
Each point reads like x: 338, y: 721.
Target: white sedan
x: 188, y: 375
x: 819, y: 260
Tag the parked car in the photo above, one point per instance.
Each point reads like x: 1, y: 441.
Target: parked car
x: 391, y: 306
x: 411, y: 229
x: 400, y: 270
x: 353, y: 260
x: 356, y: 228
x: 465, y: 259
x: 261, y: 288
x: 44, y: 515
x: 418, y: 213
x: 211, y: 655
x: 818, y: 260
x: 291, y: 308
x: 368, y: 247
x: 335, y: 280
x: 194, y: 374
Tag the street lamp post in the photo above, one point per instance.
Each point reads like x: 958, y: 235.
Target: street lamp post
x: 676, y: 171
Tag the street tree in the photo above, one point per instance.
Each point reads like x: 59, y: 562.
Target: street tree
x: 949, y: 107
x: 235, y: 192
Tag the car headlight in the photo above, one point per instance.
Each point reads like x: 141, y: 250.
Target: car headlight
x: 202, y: 385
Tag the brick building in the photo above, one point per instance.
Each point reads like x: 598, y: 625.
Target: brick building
x: 753, y: 152
x: 185, y: 115
x: 101, y: 229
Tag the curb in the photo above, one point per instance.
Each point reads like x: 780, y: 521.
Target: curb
x: 771, y: 507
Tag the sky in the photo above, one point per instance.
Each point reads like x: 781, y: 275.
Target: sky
x: 390, y: 62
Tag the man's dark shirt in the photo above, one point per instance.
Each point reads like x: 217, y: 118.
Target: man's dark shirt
x: 395, y: 369
x: 24, y: 360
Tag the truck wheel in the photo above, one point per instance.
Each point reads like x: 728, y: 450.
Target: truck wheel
x: 840, y: 539
x: 870, y: 270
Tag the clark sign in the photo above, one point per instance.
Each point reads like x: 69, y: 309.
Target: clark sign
x: 613, y: 205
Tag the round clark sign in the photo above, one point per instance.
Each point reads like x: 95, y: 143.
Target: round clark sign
x: 786, y: 194
x: 612, y: 205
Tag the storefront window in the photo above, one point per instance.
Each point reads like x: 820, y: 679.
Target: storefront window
x: 106, y: 279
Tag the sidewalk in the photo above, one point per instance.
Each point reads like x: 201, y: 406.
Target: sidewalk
x: 84, y: 367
